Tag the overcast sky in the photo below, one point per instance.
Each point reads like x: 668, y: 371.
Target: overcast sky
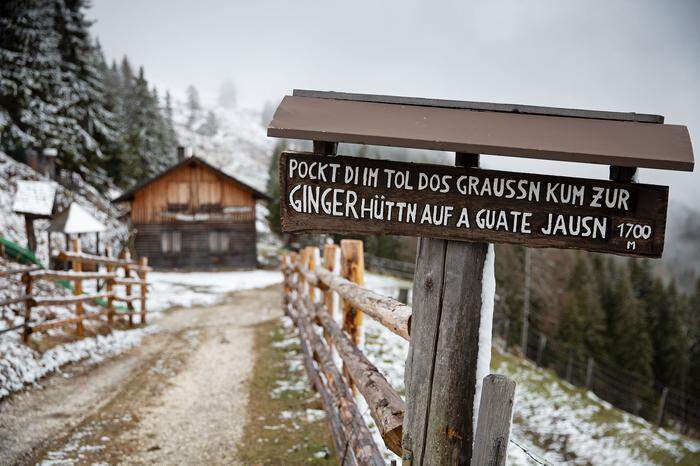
x: 641, y: 56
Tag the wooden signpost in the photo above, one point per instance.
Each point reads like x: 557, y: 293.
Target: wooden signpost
x: 359, y: 195
x: 457, y: 211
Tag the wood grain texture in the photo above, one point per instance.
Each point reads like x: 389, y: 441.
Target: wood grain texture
x: 441, y: 365
x: 495, y: 414
x: 546, y: 137
x: 356, y: 431
x: 385, y: 405
x: 553, y: 211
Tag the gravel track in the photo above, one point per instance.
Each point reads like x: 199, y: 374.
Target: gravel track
x: 178, y: 398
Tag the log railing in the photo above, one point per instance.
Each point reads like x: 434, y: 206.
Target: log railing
x: 111, y: 279
x: 309, y: 285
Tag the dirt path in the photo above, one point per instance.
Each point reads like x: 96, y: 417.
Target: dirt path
x: 178, y: 398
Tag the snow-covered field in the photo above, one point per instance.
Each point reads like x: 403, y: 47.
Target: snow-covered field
x: 21, y: 365
x: 169, y: 289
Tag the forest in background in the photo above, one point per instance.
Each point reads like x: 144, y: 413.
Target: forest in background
x: 58, y: 91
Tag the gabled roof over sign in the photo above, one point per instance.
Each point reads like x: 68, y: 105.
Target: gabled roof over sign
x: 34, y: 198
x: 194, y: 160
x: 75, y: 219
x: 570, y: 135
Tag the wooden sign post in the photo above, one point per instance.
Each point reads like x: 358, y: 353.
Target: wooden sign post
x: 457, y: 212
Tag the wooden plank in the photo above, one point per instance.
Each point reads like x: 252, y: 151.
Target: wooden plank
x: 389, y: 312
x: 341, y: 441
x: 19, y: 299
x: 385, y: 405
x: 441, y: 364
x: 425, y: 321
x: 126, y: 298
x: 586, y: 140
x: 470, y: 204
x: 482, y: 106
x: 4, y: 273
x: 56, y: 301
x: 493, y: 427
x: 92, y: 259
x: 69, y: 275
x: 357, y: 432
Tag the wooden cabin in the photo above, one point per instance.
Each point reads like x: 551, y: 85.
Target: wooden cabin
x: 193, y: 215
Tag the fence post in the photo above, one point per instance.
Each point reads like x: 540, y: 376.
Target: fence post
x: 329, y: 254
x: 570, y: 366
x: 27, y: 330
x: 352, y: 266
x: 495, y: 413
x: 312, y: 258
x: 77, y: 287
x: 589, y: 373
x: 126, y: 255
x: 662, y: 407
x: 110, y: 288
x: 540, y: 348
x: 143, y: 263
x: 303, y: 262
x: 441, y: 368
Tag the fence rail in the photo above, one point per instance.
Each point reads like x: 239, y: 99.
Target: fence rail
x: 110, y: 278
x: 308, y: 288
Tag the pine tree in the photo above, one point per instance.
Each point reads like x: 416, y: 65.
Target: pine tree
x: 194, y: 107
x: 629, y: 343
x: 29, y: 76
x: 583, y: 321
x: 87, y: 124
x: 210, y: 126
x: 670, y: 339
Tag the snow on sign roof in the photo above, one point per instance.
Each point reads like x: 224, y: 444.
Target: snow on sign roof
x: 34, y: 197
x: 75, y: 219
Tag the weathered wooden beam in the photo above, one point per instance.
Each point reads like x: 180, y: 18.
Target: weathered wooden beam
x: 59, y: 300
x: 389, y: 312
x: 4, y: 273
x: 493, y: 425
x: 385, y: 405
x: 126, y: 298
x: 358, y: 433
x: 78, y: 287
x: 442, y: 359
x: 69, y: 275
x: 345, y: 454
x: 19, y: 299
x: 129, y: 281
x: 143, y: 265
x: 102, y: 260
x: 330, y: 252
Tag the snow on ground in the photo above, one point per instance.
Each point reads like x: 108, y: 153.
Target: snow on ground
x: 21, y: 365
x: 184, y: 289
x: 555, y: 422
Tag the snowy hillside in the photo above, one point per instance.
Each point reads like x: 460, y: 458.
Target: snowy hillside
x: 12, y: 225
x: 233, y: 140
x: 555, y: 422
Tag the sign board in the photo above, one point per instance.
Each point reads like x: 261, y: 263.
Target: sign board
x: 34, y: 198
x: 336, y: 194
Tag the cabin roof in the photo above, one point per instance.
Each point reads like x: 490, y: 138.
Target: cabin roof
x: 34, y: 198
x: 571, y: 135
x: 193, y: 160
x: 75, y: 219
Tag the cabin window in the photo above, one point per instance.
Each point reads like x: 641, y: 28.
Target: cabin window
x: 218, y: 241
x: 171, y: 241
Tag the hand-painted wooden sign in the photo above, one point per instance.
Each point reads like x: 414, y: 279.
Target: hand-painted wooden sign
x: 358, y: 195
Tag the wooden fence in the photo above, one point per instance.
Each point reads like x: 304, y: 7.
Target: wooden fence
x: 310, y: 280
x: 111, y: 279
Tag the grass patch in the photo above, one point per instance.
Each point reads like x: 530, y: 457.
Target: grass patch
x: 285, y: 423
